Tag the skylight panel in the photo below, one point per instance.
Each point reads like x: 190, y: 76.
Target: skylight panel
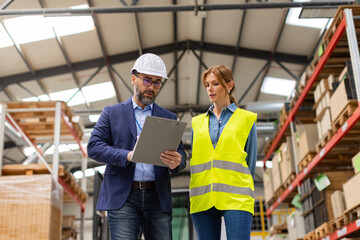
x: 28, y: 29
x: 5, y: 40
x: 36, y: 28
x: 99, y: 91
x: 278, y: 86
x: 93, y: 93
x: 293, y: 19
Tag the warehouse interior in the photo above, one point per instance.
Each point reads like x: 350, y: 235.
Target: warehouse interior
x: 80, y: 52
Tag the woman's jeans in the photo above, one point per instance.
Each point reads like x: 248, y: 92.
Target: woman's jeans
x: 141, y: 210
x: 208, y: 224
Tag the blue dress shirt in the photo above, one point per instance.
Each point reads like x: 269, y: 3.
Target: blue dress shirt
x: 217, y: 126
x: 143, y: 171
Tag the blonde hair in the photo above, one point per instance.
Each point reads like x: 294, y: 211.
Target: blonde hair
x: 224, y: 75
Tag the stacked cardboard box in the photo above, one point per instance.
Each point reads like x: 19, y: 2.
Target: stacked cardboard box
x: 295, y: 225
x: 30, y: 207
x: 276, y: 171
x: 344, y: 91
x: 287, y: 164
x: 308, y: 139
x: 338, y: 203
x: 322, y: 95
x: 268, y: 185
x: 351, y: 194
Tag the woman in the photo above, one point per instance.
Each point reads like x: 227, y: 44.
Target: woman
x: 224, y: 152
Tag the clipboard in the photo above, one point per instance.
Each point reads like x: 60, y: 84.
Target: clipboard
x: 157, y: 135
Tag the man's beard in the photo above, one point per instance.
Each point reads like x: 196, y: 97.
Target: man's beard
x: 145, y: 100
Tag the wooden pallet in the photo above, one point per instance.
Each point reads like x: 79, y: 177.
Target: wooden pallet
x: 278, y: 193
x: 278, y: 229
x: 310, y: 236
x: 354, y: 213
x: 339, y: 15
x: 289, y: 180
x: 38, y: 120
x: 347, y: 111
x: 324, y: 140
x: 322, y: 231
x: 306, y: 160
x: 339, y: 222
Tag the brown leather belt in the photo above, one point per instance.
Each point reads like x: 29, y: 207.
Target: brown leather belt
x: 143, y: 185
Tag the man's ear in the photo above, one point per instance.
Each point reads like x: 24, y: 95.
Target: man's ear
x: 133, y: 79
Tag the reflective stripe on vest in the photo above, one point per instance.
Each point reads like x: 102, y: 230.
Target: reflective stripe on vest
x: 220, y: 164
x: 220, y: 187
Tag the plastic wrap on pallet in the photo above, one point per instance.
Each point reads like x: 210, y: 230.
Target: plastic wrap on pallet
x: 30, y: 207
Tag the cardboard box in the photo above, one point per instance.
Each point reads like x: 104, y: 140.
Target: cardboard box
x: 351, y: 192
x: 287, y: 165
x: 325, y: 122
x: 338, y: 203
x: 317, y: 94
x: 308, y: 139
x: 340, y: 97
x: 30, y: 207
x: 268, y: 184
x: 276, y: 172
x: 295, y: 225
x: 356, y: 162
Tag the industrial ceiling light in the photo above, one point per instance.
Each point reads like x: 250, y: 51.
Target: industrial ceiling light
x: 321, y: 11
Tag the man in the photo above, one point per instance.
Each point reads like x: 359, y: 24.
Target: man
x: 135, y: 195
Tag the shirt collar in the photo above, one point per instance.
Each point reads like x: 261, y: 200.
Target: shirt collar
x: 147, y: 107
x: 232, y: 107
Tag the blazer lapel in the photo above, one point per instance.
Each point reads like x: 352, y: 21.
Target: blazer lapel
x: 128, y: 112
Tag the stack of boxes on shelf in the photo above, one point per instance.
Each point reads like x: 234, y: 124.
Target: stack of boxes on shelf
x: 31, y: 203
x: 322, y: 95
x: 295, y: 225
x: 30, y: 207
x: 282, y: 173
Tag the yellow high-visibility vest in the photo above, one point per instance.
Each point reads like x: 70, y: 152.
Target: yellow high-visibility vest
x: 220, y: 177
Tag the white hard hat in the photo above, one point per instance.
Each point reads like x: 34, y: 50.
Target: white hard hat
x: 150, y: 64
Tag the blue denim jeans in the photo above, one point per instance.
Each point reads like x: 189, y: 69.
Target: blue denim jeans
x: 140, y: 211
x: 208, y: 224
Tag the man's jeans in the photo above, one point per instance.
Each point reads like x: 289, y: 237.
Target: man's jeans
x: 141, y: 210
x: 208, y: 224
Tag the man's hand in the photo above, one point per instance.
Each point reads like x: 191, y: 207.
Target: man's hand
x: 128, y: 158
x: 171, y: 158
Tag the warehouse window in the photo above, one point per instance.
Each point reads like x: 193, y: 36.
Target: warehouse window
x: 278, y: 86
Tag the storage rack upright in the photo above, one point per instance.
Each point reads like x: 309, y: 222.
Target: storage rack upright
x: 347, y: 23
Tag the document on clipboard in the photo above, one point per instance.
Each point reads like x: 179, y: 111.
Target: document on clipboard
x: 157, y: 135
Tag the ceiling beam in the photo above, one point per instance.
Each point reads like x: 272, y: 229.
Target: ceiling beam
x: 163, y: 49
x: 239, y: 38
x: 172, y: 8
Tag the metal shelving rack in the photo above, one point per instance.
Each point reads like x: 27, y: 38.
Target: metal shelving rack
x: 60, y: 117
x: 347, y: 23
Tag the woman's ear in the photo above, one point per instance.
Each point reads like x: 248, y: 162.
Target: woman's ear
x: 230, y: 86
